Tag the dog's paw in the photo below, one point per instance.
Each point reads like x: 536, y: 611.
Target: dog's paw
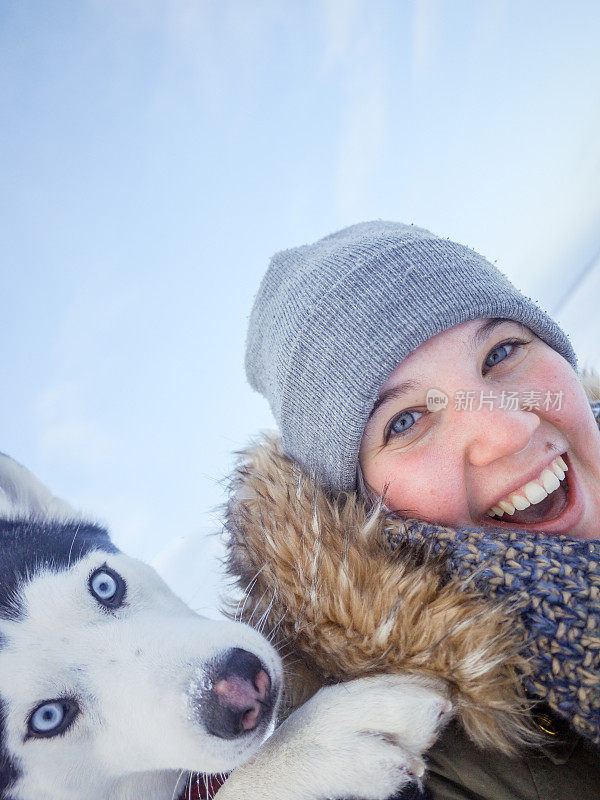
x: 362, y: 739
x: 365, y: 738
x: 369, y: 765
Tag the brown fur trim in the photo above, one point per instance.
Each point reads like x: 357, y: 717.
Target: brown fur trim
x: 317, y: 579
x: 590, y: 380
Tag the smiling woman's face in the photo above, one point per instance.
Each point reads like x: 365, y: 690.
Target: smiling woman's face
x: 515, y: 408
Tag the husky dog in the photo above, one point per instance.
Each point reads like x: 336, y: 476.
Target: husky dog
x: 111, y: 688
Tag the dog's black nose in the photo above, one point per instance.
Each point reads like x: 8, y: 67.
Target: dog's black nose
x: 240, y: 698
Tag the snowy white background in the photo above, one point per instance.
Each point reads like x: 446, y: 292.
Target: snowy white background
x: 157, y: 152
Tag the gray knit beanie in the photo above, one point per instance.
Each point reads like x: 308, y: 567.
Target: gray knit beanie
x: 332, y: 320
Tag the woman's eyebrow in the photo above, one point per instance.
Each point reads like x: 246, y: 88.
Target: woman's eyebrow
x: 394, y: 393
x: 480, y: 335
x: 484, y: 330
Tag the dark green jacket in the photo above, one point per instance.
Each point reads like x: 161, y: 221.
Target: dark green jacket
x: 567, y: 768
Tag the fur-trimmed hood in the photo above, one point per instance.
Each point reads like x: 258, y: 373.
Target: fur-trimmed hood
x: 318, y: 576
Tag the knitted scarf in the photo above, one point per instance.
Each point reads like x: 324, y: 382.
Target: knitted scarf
x: 553, y: 584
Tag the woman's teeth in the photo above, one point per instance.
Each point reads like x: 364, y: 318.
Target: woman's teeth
x: 533, y: 492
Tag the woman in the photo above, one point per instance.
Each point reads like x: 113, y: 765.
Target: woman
x: 406, y: 369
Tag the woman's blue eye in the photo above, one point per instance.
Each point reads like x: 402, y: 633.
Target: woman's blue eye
x: 498, y: 354
x: 404, y: 422
x: 107, y: 586
x: 503, y: 351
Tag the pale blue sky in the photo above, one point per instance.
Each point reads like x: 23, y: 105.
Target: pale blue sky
x: 157, y: 152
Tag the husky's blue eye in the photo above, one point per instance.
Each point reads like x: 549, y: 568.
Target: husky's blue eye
x: 51, y: 718
x: 48, y: 717
x: 104, y: 586
x: 107, y: 586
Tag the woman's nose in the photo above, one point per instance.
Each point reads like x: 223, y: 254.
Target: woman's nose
x: 497, y: 432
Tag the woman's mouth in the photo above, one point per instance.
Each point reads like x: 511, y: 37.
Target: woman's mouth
x: 540, y: 501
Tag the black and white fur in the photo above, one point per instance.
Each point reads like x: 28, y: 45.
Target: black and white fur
x: 135, y: 679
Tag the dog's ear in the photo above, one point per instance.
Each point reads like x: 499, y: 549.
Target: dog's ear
x: 23, y: 495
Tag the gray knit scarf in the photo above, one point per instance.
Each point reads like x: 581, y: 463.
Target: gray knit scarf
x: 553, y: 583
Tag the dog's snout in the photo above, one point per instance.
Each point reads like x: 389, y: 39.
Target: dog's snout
x: 240, y: 698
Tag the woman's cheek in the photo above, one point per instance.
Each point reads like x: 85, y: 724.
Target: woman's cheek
x: 551, y: 374
x: 563, y: 402
x: 418, y: 487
